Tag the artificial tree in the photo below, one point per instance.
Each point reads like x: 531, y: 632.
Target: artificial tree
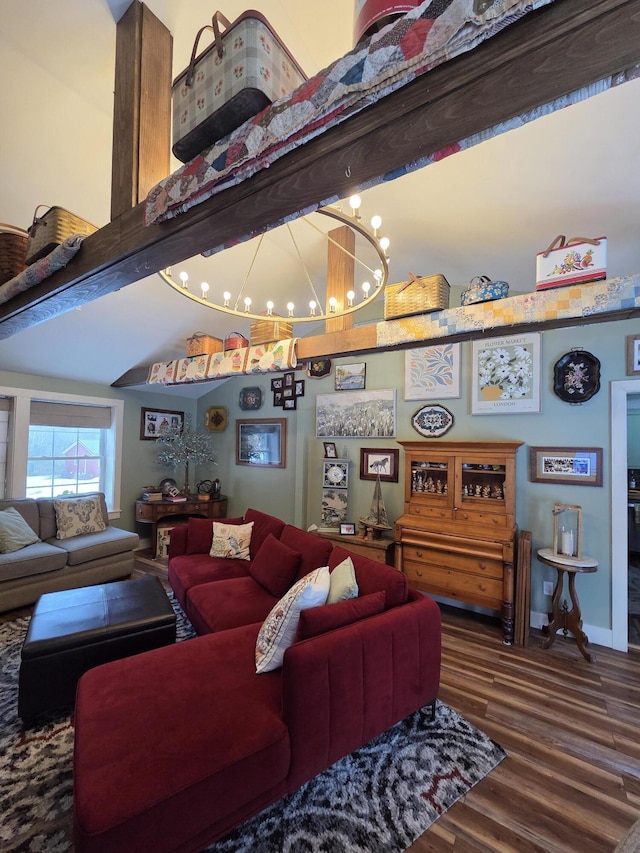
x: 184, y: 446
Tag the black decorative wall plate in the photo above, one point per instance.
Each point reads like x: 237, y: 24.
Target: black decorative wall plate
x: 576, y: 376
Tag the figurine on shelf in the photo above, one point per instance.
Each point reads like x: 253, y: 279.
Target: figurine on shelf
x: 497, y: 492
x: 486, y: 491
x: 465, y: 491
x: 430, y: 485
x: 438, y: 487
x: 478, y: 490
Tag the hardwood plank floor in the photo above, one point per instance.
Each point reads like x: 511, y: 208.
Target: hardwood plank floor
x: 571, y: 779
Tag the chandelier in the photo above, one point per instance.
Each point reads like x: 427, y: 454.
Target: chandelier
x: 374, y: 275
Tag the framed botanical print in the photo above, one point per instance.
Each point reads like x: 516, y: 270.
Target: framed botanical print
x: 505, y: 375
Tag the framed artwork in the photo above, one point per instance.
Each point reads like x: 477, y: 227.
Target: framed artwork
x: 276, y: 383
x: 505, y: 375
x: 262, y: 443
x: 289, y: 403
x: 330, y: 450
x: 152, y: 421
x: 347, y: 529
x: 633, y: 355
x: 432, y: 373
x: 375, y: 460
x: 350, y: 377
x: 356, y: 414
x: 277, y: 398
x: 289, y: 379
x: 576, y: 466
x: 335, y: 474
x: 298, y: 388
x: 334, y: 508
x: 216, y: 419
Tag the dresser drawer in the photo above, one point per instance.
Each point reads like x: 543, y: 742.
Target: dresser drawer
x: 491, y: 519
x: 460, y: 586
x: 430, y: 511
x: 475, y: 565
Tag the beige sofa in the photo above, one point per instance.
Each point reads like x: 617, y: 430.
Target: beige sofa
x: 54, y: 564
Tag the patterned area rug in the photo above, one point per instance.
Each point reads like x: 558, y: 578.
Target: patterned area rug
x: 380, y: 798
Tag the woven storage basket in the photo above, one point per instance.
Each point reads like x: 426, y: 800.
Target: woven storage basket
x: 13, y: 251
x: 53, y: 228
x: 419, y: 295
x: 268, y: 330
x: 202, y: 344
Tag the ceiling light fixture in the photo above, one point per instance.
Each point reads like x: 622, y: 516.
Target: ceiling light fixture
x: 243, y: 305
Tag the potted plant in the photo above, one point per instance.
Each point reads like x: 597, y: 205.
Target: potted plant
x: 184, y: 446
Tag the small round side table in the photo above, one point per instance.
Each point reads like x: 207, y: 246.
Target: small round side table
x: 561, y: 617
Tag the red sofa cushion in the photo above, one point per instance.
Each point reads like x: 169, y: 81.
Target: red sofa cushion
x: 275, y: 565
x: 188, y: 570
x: 319, y: 620
x: 314, y: 549
x: 169, y: 765
x: 372, y: 577
x: 200, y: 533
x: 226, y: 604
x: 263, y: 525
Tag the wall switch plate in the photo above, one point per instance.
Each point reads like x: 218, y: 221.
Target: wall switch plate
x: 547, y: 587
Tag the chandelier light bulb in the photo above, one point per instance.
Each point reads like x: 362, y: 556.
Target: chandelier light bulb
x: 290, y: 307
x: 333, y: 302
x: 354, y: 203
x: 226, y: 296
x: 204, y: 287
x: 384, y: 244
x: 377, y: 274
x: 184, y: 278
x: 269, y: 308
x: 247, y: 303
x: 312, y: 308
x: 350, y: 297
x: 376, y: 222
x: 366, y: 288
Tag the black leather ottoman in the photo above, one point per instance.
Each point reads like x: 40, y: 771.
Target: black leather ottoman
x: 76, y: 629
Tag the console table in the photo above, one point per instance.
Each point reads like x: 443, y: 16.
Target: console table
x: 561, y: 617
x: 381, y: 550
x: 153, y: 512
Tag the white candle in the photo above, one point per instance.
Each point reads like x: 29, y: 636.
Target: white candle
x: 567, y: 542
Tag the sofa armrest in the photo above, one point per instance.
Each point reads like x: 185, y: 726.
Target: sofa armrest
x: 343, y: 688
x: 178, y: 540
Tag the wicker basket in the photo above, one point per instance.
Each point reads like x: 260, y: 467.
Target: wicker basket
x: 419, y: 295
x: 53, y: 228
x: 13, y: 251
x: 202, y: 344
x: 268, y: 330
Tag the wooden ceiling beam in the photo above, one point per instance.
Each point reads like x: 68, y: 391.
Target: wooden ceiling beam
x: 546, y: 54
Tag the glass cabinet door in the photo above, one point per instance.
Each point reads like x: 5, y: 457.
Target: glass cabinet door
x: 483, y: 484
x: 431, y: 479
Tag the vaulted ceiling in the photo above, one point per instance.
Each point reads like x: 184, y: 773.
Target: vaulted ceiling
x: 486, y: 210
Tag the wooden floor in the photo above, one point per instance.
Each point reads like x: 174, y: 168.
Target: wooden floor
x: 571, y: 781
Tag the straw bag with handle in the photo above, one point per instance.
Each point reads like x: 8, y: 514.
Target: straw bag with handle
x: 13, y: 251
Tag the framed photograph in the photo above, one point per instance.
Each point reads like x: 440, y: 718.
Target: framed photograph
x: 633, y: 355
x: 356, y: 414
x: 287, y: 392
x: 152, y: 421
x: 262, y: 443
x: 350, y: 377
x: 374, y: 461
x: 347, y: 529
x: 288, y: 380
x: 330, y: 450
x: 276, y: 383
x: 505, y: 375
x: 576, y: 466
x: 298, y: 388
x: 289, y: 403
x: 432, y: 373
x: 277, y: 398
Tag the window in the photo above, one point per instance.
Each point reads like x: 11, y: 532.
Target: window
x: 73, y: 445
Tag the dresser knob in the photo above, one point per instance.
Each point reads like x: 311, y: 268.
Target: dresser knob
x: 482, y: 565
x: 419, y: 572
x: 481, y: 587
x: 418, y: 553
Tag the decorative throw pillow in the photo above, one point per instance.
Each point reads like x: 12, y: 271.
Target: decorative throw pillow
x: 343, y: 582
x: 279, y: 629
x: 320, y: 620
x: 275, y: 565
x: 231, y: 541
x: 200, y: 533
x: 78, y: 515
x: 15, y: 533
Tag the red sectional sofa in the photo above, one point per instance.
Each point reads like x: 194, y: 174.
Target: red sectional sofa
x: 176, y: 747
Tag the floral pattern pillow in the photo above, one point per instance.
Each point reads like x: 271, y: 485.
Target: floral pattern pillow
x: 279, y: 629
x: 78, y: 515
x: 231, y: 541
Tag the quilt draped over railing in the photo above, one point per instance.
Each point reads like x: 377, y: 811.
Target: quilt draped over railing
x: 42, y: 269
x: 432, y: 33
x: 263, y: 358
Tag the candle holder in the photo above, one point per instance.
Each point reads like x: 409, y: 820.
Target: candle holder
x: 567, y: 531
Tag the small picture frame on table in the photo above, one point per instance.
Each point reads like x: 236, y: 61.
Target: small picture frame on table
x: 330, y: 450
x: 347, y: 529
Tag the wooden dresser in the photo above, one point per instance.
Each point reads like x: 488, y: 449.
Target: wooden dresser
x: 381, y: 550
x: 156, y: 512
x: 457, y: 536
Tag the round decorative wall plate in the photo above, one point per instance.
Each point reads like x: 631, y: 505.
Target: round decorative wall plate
x: 250, y: 399
x: 432, y: 421
x: 576, y: 376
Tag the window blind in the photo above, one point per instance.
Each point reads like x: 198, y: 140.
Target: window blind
x: 44, y: 413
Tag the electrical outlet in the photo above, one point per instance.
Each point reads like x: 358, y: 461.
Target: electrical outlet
x: 547, y: 587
